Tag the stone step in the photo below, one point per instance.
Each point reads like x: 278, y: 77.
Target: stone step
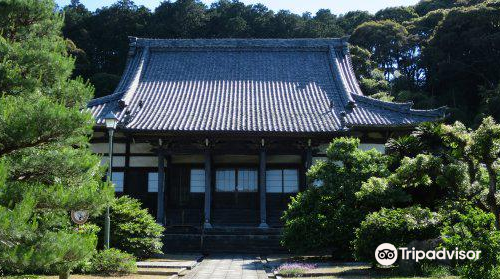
x: 168, y: 264
x: 162, y: 271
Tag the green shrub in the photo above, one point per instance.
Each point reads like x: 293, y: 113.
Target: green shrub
x: 133, y: 229
x: 475, y: 230
x: 323, y: 219
x: 396, y: 226
x: 495, y: 273
x: 113, y: 262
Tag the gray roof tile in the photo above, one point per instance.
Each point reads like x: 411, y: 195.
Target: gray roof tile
x: 247, y: 85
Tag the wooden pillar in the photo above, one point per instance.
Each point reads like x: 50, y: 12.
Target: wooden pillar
x: 306, y: 164
x: 160, y: 212
x: 308, y: 158
x: 208, y: 186
x: 262, y: 186
x: 126, y: 185
x: 308, y: 155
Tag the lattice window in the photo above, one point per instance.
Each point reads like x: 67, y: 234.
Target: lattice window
x: 282, y: 181
x: 118, y: 181
x: 197, y: 184
x: 153, y: 182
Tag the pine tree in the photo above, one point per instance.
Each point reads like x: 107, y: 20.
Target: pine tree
x: 46, y: 166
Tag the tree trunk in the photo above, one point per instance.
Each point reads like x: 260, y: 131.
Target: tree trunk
x: 491, y: 195
x: 64, y: 274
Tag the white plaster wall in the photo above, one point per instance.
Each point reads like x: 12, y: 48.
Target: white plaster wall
x: 367, y: 146
x: 101, y: 148
x: 118, y: 161
x: 143, y: 161
x: 98, y: 135
x: 140, y: 148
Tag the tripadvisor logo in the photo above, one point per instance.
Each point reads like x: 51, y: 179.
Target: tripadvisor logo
x: 387, y: 254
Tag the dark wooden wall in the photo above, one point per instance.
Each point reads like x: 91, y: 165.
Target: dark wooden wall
x: 186, y: 208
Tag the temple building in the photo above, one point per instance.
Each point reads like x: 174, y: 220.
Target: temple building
x: 215, y: 136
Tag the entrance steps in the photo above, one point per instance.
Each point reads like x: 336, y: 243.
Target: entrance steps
x: 158, y: 271
x: 168, y: 264
x: 223, y: 239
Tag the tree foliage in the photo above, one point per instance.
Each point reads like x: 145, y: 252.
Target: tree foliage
x: 425, y: 178
x: 398, y: 227
x: 456, y: 71
x: 384, y: 39
x: 46, y: 166
x: 397, y: 14
x: 449, y: 170
x: 324, y: 218
x: 474, y: 230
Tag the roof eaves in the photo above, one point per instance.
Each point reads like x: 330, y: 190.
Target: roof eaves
x: 401, y: 107
x: 398, y: 125
x: 229, y: 132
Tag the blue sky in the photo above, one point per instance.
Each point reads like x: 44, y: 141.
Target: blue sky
x: 296, y: 6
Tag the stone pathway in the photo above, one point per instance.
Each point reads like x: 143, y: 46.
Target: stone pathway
x: 228, y: 267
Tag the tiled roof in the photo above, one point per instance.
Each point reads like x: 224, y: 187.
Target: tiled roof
x: 247, y: 85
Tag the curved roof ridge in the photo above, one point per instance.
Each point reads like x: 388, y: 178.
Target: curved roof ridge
x: 238, y: 42
x: 337, y: 72
x: 136, y: 75
x: 124, y: 85
x: 350, y: 69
